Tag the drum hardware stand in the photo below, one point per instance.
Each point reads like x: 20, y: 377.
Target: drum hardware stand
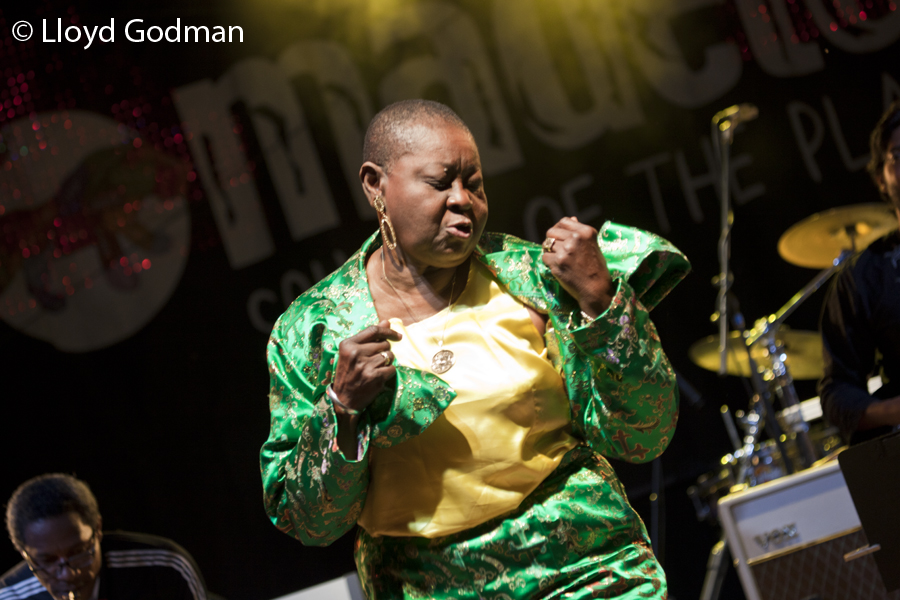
x: 716, y: 569
x: 773, y: 322
x: 717, y: 564
x: 760, y: 405
x: 760, y: 411
x: 719, y: 557
x: 729, y: 427
x: 766, y: 331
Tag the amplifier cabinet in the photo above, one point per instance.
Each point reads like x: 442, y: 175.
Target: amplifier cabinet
x: 788, y: 538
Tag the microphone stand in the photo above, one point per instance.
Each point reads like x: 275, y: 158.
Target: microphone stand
x: 723, y: 125
x: 723, y: 134
x: 717, y: 564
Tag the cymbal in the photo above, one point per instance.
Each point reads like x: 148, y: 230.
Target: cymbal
x: 803, y: 350
x: 817, y: 240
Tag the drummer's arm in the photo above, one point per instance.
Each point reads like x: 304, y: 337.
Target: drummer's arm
x: 879, y: 414
x: 849, y: 350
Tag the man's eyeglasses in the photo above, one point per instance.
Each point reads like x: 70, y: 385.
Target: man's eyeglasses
x: 76, y: 563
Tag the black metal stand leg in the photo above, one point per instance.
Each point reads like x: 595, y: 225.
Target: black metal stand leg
x: 658, y: 513
x: 716, y: 569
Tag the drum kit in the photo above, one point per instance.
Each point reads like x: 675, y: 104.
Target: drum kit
x: 772, y: 356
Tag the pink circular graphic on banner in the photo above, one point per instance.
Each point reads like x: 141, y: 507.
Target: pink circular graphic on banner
x: 94, y: 229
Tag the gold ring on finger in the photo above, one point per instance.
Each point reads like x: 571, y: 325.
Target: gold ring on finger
x: 387, y: 358
x: 548, y: 244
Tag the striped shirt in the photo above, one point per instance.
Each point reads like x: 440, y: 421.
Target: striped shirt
x: 135, y: 567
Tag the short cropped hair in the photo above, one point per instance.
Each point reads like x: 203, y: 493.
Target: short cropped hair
x: 48, y: 496
x: 389, y: 135
x: 878, y: 143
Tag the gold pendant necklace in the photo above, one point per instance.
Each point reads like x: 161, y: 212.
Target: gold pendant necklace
x: 443, y: 359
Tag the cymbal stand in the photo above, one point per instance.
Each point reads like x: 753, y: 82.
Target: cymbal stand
x: 761, y: 403
x: 778, y: 319
x: 766, y: 331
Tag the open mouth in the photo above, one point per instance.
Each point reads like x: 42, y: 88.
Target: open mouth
x: 462, y: 229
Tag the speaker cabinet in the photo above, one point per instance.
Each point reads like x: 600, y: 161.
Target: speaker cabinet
x: 788, y: 538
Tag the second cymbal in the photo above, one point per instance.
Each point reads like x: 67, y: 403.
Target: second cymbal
x: 817, y: 240
x: 803, y: 350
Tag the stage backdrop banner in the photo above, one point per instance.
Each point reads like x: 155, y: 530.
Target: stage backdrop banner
x: 173, y: 176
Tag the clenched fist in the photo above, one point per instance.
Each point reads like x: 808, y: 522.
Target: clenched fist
x: 573, y: 256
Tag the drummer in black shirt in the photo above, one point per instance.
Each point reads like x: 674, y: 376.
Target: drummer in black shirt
x: 861, y: 317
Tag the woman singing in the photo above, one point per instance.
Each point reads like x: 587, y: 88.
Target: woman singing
x: 454, y: 391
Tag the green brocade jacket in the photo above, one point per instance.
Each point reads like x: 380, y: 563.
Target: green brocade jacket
x: 621, y: 387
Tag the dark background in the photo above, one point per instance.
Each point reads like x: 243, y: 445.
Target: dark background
x: 166, y: 424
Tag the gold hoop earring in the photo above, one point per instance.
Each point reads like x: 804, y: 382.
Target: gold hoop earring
x: 388, y: 235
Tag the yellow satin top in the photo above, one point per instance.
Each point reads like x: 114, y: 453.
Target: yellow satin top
x: 505, y: 432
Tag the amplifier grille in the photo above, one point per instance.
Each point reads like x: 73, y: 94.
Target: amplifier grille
x: 819, y: 571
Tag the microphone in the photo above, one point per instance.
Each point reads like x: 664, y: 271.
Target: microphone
x: 731, y: 116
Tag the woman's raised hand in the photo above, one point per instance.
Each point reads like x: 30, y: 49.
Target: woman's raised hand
x: 364, y: 366
x: 573, y: 256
